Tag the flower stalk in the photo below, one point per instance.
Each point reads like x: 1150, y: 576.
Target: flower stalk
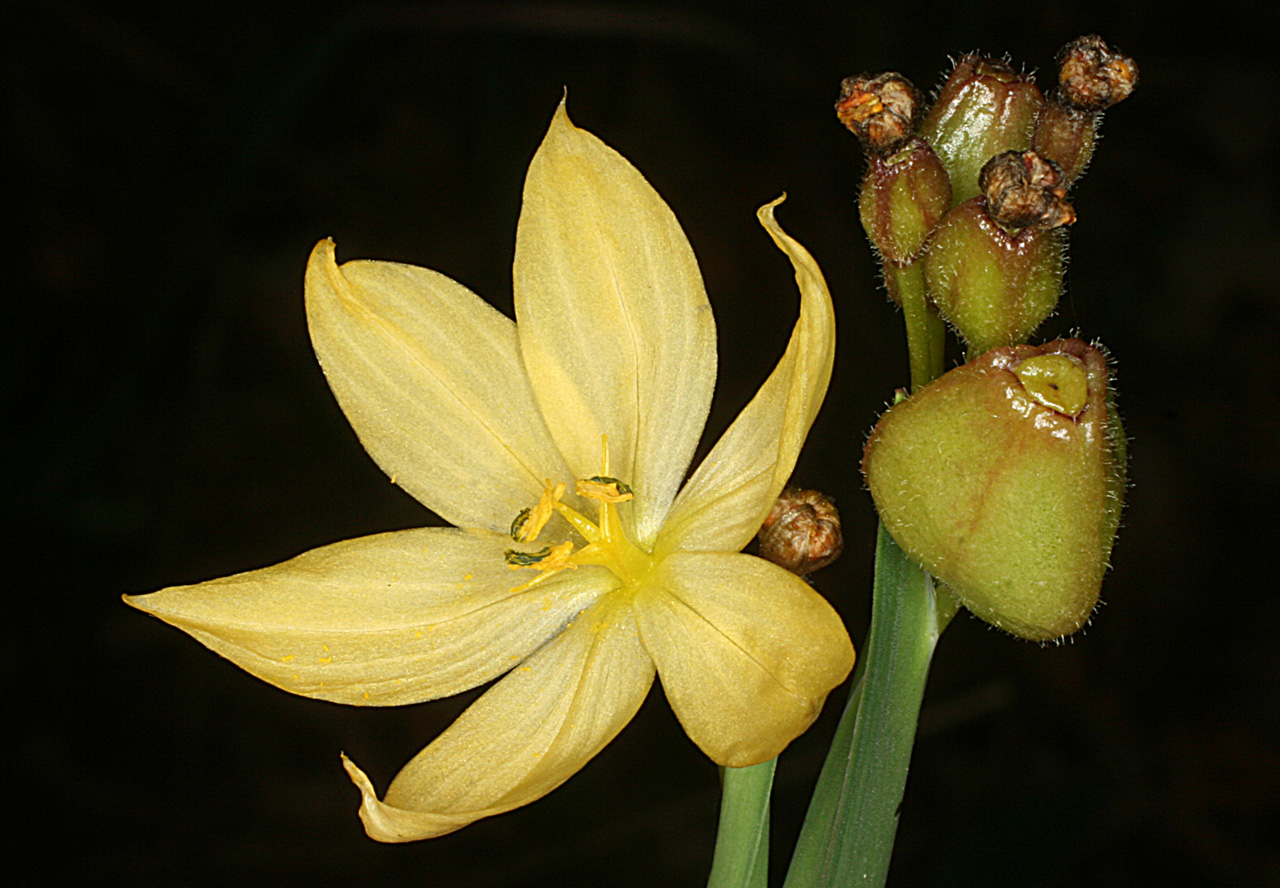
x: 848, y: 832
x: 992, y: 266
x: 926, y: 331
x: 742, y: 837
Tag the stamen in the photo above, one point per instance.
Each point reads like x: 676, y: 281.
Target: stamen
x: 603, y: 488
x: 530, y: 522
x: 518, y: 560
x: 547, y: 562
x: 606, y: 540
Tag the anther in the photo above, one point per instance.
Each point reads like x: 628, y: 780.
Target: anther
x: 547, y: 562
x: 603, y: 488
x: 518, y: 560
x: 529, y: 523
x: 518, y: 523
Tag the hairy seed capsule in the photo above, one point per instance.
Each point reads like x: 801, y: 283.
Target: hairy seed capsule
x: 904, y: 196
x: 1005, y: 478
x: 992, y: 285
x: 984, y: 108
x: 802, y: 532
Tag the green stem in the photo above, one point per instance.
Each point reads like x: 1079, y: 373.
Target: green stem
x: 742, y: 842
x: 926, y: 332
x: 848, y: 833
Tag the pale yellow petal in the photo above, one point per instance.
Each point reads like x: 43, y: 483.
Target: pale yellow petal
x: 382, y: 620
x: 528, y: 734
x: 431, y: 379
x: 722, y: 506
x: 614, y: 323
x: 746, y: 651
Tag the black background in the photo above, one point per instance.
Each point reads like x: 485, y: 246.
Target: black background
x: 170, y: 167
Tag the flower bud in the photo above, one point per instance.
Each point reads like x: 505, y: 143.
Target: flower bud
x: 1005, y: 478
x: 802, y: 532
x: 984, y: 108
x: 1091, y: 78
x: 904, y: 196
x: 992, y: 285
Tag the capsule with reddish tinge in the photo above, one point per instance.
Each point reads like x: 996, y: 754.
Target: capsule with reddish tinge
x: 984, y: 108
x: 1005, y: 478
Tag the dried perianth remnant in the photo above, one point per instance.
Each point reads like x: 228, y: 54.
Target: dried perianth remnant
x: 802, y: 531
x: 881, y: 111
x: 1024, y: 190
x: 1092, y: 76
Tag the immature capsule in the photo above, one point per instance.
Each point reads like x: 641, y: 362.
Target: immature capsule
x: 1091, y: 78
x: 993, y: 285
x: 904, y: 196
x: 1005, y: 479
x: 984, y: 108
x: 801, y: 532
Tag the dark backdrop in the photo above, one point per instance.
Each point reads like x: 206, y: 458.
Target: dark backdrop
x: 170, y: 167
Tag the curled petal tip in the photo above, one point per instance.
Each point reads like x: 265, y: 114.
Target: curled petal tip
x: 377, y: 825
x: 358, y: 777
x: 765, y: 213
x: 325, y: 251
x: 368, y: 796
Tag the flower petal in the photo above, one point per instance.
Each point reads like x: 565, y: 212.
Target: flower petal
x: 614, y: 323
x: 430, y: 377
x: 728, y: 497
x: 528, y: 734
x: 747, y: 652
x: 381, y: 620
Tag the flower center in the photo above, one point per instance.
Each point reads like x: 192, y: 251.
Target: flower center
x: 607, y: 542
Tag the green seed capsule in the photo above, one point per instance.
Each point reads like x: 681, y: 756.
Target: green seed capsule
x: 994, y: 286
x: 1005, y: 479
x: 904, y: 196
x: 984, y: 108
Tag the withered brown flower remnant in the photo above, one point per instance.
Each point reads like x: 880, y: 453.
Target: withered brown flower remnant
x: 1024, y: 190
x: 881, y: 111
x: 1091, y: 78
x: 802, y: 531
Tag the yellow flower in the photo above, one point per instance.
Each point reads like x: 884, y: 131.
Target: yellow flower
x: 556, y: 446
